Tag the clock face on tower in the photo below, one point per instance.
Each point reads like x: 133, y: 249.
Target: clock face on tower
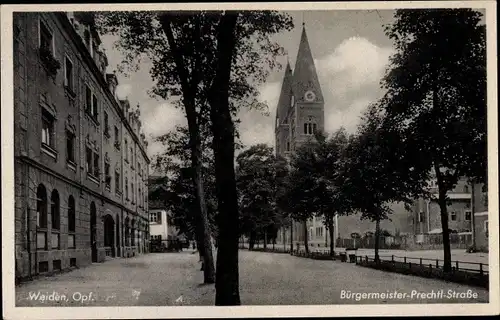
x: 309, y: 96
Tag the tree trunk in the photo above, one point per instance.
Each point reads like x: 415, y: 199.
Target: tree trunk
x: 291, y: 236
x: 306, y: 240
x: 265, y: 239
x: 189, y: 93
x: 377, y: 240
x: 284, y: 238
x: 199, y: 245
x: 332, y: 240
x: 227, y: 278
x: 205, y: 236
x: 444, y: 221
x: 252, y: 240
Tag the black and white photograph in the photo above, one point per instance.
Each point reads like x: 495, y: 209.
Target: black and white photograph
x: 337, y: 158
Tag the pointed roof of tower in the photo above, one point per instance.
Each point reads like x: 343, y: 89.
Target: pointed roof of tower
x: 304, y: 76
x: 286, y: 88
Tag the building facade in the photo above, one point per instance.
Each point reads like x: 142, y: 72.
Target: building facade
x: 81, y: 168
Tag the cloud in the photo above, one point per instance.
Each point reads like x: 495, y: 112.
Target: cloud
x: 256, y: 127
x: 350, y: 78
x: 123, y: 91
x: 159, y: 120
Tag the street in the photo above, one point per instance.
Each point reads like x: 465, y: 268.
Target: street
x: 169, y: 279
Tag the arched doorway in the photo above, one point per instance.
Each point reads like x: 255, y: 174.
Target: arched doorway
x: 109, y: 235
x: 93, y: 231
x: 118, y: 236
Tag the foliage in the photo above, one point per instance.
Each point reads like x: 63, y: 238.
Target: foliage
x: 436, y: 97
x: 142, y: 37
x: 174, y: 162
x: 259, y: 173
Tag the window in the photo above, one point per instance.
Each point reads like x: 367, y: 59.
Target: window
x: 107, y: 175
x: 71, y: 214
x: 117, y: 138
x: 319, y: 231
x: 310, y: 128
x: 155, y: 217
x: 139, y: 169
x: 70, y: 147
x: 94, y: 106
x: 88, y: 157
x: 139, y: 197
x: 48, y: 130
x: 117, y: 182
x: 421, y: 217
x: 126, y: 150
x: 126, y: 188
x: 288, y: 146
x: 106, y: 125
x: 468, y: 215
x: 55, y: 219
x: 46, y: 38
x: 96, y: 165
x: 54, y: 210
x: 68, y: 73
x: 90, y: 103
x: 133, y: 192
x: 71, y: 222
x: 88, y: 99
x: 41, y: 218
x: 453, y: 215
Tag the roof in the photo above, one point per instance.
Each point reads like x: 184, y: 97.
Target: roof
x: 304, y: 74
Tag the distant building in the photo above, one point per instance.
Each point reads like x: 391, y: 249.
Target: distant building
x: 160, y: 218
x: 81, y: 167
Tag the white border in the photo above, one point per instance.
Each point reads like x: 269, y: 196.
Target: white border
x: 10, y: 311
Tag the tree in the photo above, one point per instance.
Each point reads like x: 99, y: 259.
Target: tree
x: 329, y: 156
x: 174, y: 162
x: 378, y: 172
x: 208, y: 58
x: 436, y: 97
x: 259, y: 173
x: 302, y: 187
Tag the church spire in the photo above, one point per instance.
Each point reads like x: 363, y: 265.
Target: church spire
x: 305, y: 78
x: 286, y: 89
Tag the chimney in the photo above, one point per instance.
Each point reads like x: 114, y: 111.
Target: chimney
x: 112, y: 83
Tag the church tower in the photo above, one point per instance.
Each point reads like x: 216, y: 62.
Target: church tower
x: 299, y: 115
x: 300, y: 110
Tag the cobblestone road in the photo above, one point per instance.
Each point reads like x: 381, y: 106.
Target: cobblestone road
x: 164, y: 279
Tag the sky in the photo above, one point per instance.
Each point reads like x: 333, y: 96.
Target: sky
x: 351, y: 53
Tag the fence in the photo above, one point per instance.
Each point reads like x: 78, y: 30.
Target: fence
x: 408, y: 242
x: 476, y: 267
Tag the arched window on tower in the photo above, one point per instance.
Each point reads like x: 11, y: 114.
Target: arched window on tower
x: 310, y: 126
